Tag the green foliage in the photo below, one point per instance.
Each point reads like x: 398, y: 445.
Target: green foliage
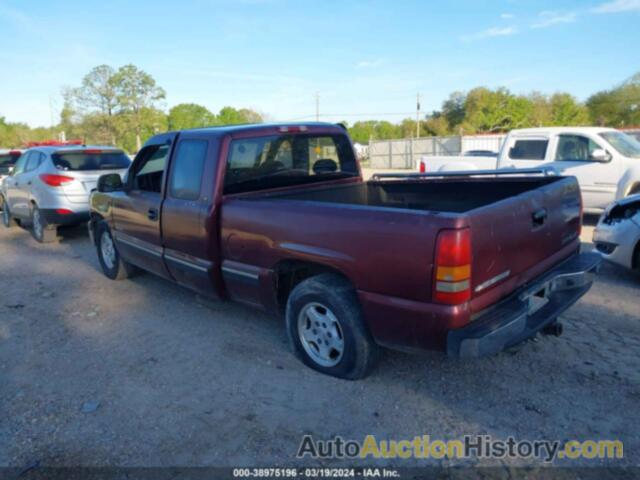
x: 123, y: 107
x: 618, y: 107
x: 190, y: 115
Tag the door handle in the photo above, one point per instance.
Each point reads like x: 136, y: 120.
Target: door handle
x: 152, y: 214
x: 539, y: 217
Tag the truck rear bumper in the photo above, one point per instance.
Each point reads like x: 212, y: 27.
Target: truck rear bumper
x: 523, y: 315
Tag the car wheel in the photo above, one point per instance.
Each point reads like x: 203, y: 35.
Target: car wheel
x: 7, y: 220
x: 41, y: 231
x: 326, y: 328
x: 112, y: 265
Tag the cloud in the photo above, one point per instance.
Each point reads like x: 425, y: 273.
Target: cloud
x: 549, y: 19
x: 491, y: 32
x: 370, y: 63
x: 617, y: 6
x: 507, y: 16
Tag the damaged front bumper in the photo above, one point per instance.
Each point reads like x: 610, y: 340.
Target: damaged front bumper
x: 528, y: 311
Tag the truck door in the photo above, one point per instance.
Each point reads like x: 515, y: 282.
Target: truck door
x: 136, y: 212
x: 598, y: 180
x: 189, y: 219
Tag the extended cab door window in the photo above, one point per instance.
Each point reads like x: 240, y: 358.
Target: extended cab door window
x: 188, y: 165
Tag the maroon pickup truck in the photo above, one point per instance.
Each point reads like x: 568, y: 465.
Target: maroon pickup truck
x: 278, y: 216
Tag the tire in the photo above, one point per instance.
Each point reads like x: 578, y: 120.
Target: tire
x: 41, y: 231
x: 7, y: 219
x: 110, y: 261
x: 326, y: 328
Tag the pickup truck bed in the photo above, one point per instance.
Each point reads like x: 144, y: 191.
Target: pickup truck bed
x: 381, y: 236
x: 450, y: 196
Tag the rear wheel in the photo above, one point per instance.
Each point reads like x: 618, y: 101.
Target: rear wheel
x: 7, y: 220
x: 42, y: 232
x: 112, y: 265
x: 326, y: 328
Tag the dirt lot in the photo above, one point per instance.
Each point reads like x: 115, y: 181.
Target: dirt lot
x: 168, y: 378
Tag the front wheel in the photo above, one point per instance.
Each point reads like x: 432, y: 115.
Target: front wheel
x: 42, y: 232
x: 112, y: 265
x: 326, y: 328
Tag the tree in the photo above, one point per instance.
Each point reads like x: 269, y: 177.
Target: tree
x: 231, y: 116
x: 567, y: 111
x: 454, y: 109
x: 190, y: 115
x: 97, y: 95
x: 617, y: 107
x: 136, y: 90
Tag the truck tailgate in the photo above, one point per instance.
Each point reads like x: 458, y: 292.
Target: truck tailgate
x: 519, y: 238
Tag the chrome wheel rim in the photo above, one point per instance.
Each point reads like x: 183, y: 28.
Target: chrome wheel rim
x: 37, y: 226
x: 107, y: 250
x: 320, y: 334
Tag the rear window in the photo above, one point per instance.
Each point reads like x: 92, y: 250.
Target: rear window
x: 83, y: 161
x: 529, y: 150
x: 282, y: 160
x: 6, y: 162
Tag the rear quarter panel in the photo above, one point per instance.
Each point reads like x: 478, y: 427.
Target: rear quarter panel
x: 387, y: 251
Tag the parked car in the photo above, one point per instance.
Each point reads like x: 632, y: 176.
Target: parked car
x: 605, y: 161
x: 278, y: 217
x: 8, y: 159
x: 50, y: 186
x: 617, y: 235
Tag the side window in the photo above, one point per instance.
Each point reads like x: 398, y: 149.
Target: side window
x: 149, y: 171
x: 529, y: 150
x: 186, y: 172
x: 575, y: 148
x: 21, y: 163
x: 34, y: 161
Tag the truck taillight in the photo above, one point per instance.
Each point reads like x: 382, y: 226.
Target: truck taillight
x: 55, y: 180
x: 452, y: 284
x: 423, y: 166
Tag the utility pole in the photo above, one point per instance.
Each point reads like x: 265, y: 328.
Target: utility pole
x: 317, y: 107
x: 418, y: 115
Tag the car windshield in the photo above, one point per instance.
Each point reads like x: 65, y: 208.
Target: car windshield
x: 87, y: 161
x: 625, y: 144
x: 6, y: 162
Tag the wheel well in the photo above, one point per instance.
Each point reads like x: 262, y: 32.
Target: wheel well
x: 635, y: 261
x: 94, y: 219
x: 635, y: 188
x: 289, y: 273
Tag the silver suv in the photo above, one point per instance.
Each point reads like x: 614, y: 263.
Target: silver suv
x: 50, y: 186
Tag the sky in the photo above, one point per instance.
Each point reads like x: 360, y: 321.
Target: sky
x: 364, y: 59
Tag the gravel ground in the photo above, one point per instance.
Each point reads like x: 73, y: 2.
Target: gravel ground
x: 145, y: 373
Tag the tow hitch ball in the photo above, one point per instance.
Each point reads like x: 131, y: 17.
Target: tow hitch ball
x: 554, y: 329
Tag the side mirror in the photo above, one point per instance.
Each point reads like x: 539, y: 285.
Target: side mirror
x: 11, y: 169
x: 600, y: 155
x: 110, y: 183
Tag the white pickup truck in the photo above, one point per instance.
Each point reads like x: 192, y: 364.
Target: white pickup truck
x: 605, y: 161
